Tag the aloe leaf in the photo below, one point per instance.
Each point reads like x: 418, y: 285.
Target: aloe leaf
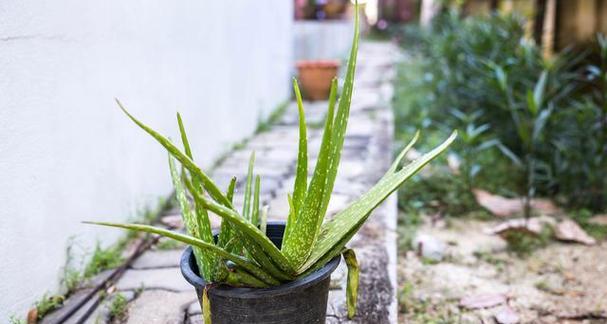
x: 263, y: 222
x: 301, y: 176
x: 224, y: 232
x: 202, y: 217
x: 335, y: 233
x: 402, y: 154
x: 298, y: 243
x: 257, y: 253
x: 255, y: 211
x: 206, y: 306
x: 249, y: 266
x: 246, y: 208
x: 352, y: 283
x: 203, y: 261
x: 208, y: 184
x: 244, y: 228
x: 240, y: 278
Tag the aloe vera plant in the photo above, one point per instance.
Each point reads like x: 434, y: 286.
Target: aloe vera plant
x: 242, y: 255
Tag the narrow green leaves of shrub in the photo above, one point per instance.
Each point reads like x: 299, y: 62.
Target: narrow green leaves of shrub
x: 352, y: 283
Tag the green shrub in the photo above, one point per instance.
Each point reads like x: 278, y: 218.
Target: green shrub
x: 543, y: 121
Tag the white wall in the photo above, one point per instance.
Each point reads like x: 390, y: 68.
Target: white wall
x: 68, y: 154
x: 329, y: 39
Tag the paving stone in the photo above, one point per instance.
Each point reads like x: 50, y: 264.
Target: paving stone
x: 157, y: 259
x: 160, y: 307
x: 166, y: 278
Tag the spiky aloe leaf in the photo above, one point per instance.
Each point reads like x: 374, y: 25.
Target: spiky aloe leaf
x: 301, y: 176
x: 224, y: 232
x: 206, y: 307
x: 246, y: 208
x: 256, y: 192
x: 298, y: 244
x: 237, y: 277
x: 202, y: 217
x: 208, y: 184
x: 204, y: 261
x: 244, y: 228
x: 352, y: 284
x: 249, y: 266
x: 263, y: 222
x: 335, y: 233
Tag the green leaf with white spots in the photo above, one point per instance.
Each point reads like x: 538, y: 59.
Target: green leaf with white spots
x: 300, y: 240
x: 301, y: 175
x: 202, y: 217
x: 335, y: 233
x: 246, y: 207
x: 204, y: 261
x: 208, y: 184
x: 244, y: 228
x: 352, y: 283
x: 251, y: 267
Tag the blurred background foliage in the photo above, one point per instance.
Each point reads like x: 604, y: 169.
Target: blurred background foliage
x: 531, y: 123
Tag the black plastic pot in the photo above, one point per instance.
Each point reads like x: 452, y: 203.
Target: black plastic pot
x: 301, y: 301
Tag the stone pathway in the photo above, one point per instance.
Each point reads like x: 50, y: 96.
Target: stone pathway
x: 152, y: 284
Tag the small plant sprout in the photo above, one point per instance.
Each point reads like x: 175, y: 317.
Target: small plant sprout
x: 242, y: 255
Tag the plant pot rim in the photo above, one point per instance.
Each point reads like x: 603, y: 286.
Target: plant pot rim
x: 187, y: 259
x: 318, y: 64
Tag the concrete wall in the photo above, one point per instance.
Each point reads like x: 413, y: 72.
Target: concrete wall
x: 329, y: 39
x: 68, y: 154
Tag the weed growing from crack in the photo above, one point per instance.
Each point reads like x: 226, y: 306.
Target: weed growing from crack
x: 118, y: 308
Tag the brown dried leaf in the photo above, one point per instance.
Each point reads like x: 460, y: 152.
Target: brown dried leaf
x: 570, y: 231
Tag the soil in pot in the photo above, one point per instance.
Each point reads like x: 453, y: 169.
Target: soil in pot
x: 315, y: 77
x: 301, y: 301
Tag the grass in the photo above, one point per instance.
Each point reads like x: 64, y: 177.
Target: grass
x: 265, y: 125
x: 118, y: 308
x: 103, y: 259
x: 582, y: 217
x: 48, y: 304
x: 523, y: 244
x: 16, y: 320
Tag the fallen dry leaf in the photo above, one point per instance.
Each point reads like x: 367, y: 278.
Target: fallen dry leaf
x: 504, y: 207
x: 506, y: 315
x: 482, y: 301
x: 598, y: 220
x: 570, y: 231
x: 533, y: 225
x: 498, y: 205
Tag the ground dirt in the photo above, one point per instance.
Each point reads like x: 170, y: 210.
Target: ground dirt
x: 560, y: 283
